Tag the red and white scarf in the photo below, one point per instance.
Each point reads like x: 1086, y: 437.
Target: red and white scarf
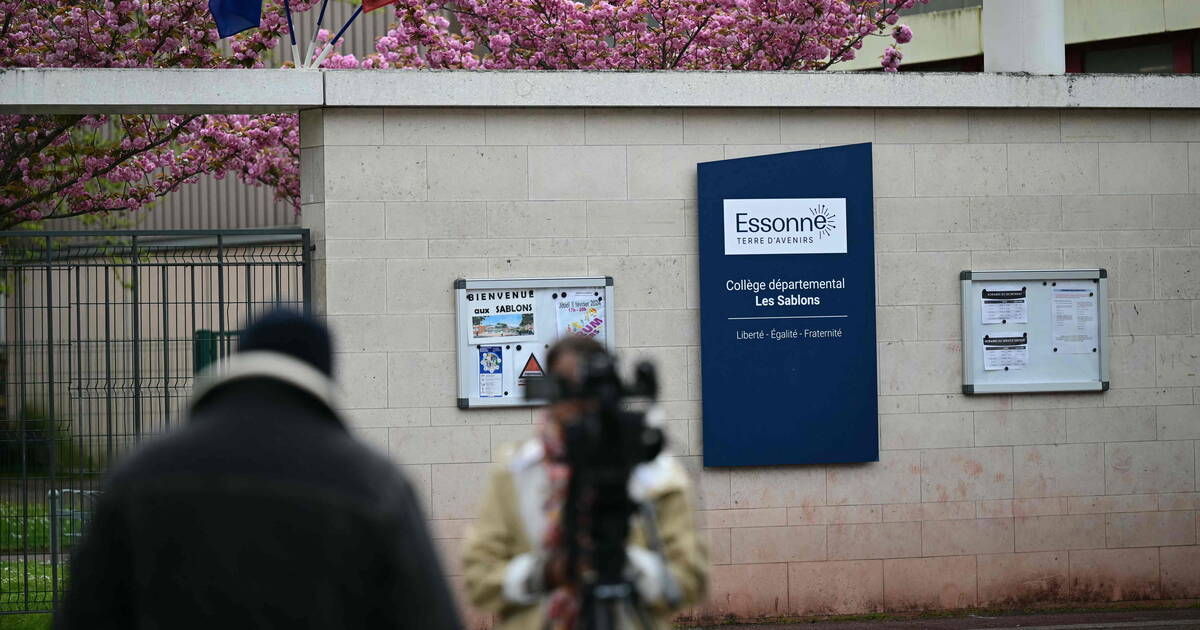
x: 562, y: 608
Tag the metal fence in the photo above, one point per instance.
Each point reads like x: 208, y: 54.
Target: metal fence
x: 102, y: 335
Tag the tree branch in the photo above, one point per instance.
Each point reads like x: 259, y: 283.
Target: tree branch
x: 7, y: 23
x: 688, y: 43
x: 878, y: 26
x: 6, y: 173
x: 104, y: 171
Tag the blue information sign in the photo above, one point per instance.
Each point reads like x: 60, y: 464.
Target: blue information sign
x: 787, y: 308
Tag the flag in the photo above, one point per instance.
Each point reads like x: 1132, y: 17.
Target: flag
x: 329, y: 45
x: 371, y: 5
x: 235, y: 16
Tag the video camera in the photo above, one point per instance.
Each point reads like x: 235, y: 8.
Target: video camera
x: 608, y: 434
x: 604, y: 444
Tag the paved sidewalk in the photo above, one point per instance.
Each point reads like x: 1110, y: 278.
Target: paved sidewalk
x: 1155, y: 619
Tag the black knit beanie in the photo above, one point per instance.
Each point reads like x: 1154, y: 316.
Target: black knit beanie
x: 293, y: 334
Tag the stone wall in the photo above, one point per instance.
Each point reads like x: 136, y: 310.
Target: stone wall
x: 975, y: 501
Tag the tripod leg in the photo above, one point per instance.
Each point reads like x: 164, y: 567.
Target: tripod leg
x: 671, y: 591
x: 638, y: 614
x: 602, y: 617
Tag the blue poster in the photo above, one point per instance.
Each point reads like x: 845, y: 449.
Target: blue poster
x: 787, y: 309
x: 491, y: 371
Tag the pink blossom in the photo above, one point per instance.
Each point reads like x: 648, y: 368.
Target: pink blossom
x: 53, y: 166
x: 891, y: 59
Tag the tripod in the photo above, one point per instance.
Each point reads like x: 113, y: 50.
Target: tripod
x: 603, y: 446
x: 613, y: 602
x: 608, y: 605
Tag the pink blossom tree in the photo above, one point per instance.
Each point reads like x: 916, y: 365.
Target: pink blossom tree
x: 72, y: 165
x: 632, y: 34
x: 62, y: 166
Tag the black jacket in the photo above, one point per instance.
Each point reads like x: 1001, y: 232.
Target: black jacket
x: 263, y: 512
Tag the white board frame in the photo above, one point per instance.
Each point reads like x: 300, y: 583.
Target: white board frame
x: 1071, y: 372
x: 468, y: 353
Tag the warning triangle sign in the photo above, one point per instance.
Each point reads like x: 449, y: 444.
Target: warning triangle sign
x: 532, y: 368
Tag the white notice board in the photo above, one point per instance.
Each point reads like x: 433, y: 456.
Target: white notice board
x: 1035, y: 331
x: 505, y: 327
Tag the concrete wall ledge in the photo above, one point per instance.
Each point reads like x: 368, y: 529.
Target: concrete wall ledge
x: 141, y: 90
x: 216, y: 91
x: 756, y: 89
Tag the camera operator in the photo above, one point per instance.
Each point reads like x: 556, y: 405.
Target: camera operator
x: 516, y: 555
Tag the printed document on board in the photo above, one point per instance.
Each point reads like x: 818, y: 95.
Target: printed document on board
x: 1004, y: 304
x: 1076, y: 316
x: 1006, y: 351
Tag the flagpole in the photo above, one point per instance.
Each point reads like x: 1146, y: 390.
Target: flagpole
x: 287, y: 7
x: 329, y: 46
x: 308, y: 50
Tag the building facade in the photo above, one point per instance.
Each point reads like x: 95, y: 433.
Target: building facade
x: 976, y: 500
x: 412, y: 180
x: 1100, y: 36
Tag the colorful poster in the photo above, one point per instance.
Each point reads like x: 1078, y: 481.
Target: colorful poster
x: 581, y: 312
x: 491, y: 372
x: 501, y: 315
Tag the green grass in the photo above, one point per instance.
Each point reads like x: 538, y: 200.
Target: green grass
x: 30, y: 531
x: 38, y: 577
x: 34, y: 621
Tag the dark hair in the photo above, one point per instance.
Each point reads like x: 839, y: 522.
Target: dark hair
x: 582, y: 347
x: 291, y: 333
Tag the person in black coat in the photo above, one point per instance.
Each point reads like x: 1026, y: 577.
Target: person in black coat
x: 262, y: 512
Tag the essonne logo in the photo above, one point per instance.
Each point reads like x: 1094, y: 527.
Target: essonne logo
x: 785, y: 226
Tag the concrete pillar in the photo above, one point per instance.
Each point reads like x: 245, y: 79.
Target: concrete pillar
x: 312, y: 198
x: 1024, y: 36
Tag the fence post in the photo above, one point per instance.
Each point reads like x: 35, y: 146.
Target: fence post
x: 23, y: 430
x: 51, y: 418
x: 166, y: 349
x: 137, y: 342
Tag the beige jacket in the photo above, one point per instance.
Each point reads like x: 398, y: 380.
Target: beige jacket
x: 498, y: 554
